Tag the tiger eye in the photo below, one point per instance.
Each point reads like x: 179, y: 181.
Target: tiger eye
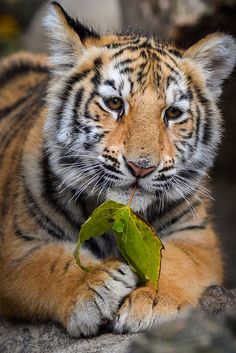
x: 172, y: 113
x: 114, y: 103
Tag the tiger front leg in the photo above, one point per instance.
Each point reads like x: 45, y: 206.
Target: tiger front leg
x: 48, y: 284
x: 186, y: 270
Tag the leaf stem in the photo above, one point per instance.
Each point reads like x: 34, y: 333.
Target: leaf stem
x: 132, y: 196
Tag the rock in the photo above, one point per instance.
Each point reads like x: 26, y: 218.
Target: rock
x: 198, y: 332
x: 211, y: 330
x: 18, y: 337
x: 217, y: 299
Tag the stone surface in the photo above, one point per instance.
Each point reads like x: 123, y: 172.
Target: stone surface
x: 193, y: 334
x: 48, y: 337
x: 211, y: 330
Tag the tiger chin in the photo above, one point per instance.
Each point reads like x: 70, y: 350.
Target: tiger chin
x: 101, y: 115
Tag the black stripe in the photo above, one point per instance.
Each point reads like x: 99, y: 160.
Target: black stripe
x: 17, y: 122
x: 111, y: 168
x: 87, y: 112
x: 126, y: 70
x: 7, y: 110
x: 207, y: 132
x: 125, y: 62
x: 19, y: 260
x: 186, y: 251
x: 178, y: 148
x: 97, y: 65
x: 175, y: 52
x: 50, y: 183
x: 171, y: 68
x: 187, y: 145
x: 186, y: 134
x: 131, y: 86
x: 153, y: 215
x: 96, y: 292
x: 54, y: 263
x: 186, y: 96
x: 20, y: 233
x: 163, y: 170
x: 116, y: 278
x: 22, y: 117
x: 40, y: 218
x: 69, y: 83
x: 92, y: 245
x: 88, y: 146
x: 8, y: 183
x: 110, y: 83
x: 176, y: 218
x: 197, y: 129
x: 67, y: 159
x: 170, y: 80
x: 189, y: 174
x: 67, y: 265
x: 168, y: 52
x: 191, y: 227
x: 77, y: 105
x: 100, y: 107
x: 21, y: 67
x: 114, y: 160
x: 132, y: 47
x: 127, y: 40
x: 181, y: 122
x: 78, y: 98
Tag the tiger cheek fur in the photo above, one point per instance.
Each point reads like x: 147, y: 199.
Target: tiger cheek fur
x: 101, y: 115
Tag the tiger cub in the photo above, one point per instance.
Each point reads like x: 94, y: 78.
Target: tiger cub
x: 103, y: 114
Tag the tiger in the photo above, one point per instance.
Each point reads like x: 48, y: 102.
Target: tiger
x: 97, y: 117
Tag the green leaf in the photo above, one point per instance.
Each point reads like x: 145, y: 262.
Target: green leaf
x: 96, y: 225
x: 136, y: 239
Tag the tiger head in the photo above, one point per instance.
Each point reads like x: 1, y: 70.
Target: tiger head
x: 129, y: 111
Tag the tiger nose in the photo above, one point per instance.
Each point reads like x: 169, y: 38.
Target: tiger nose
x: 139, y: 171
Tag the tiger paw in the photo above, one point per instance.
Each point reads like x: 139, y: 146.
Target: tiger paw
x: 99, y: 297
x: 144, y: 308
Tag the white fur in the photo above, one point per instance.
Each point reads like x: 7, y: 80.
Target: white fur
x: 139, y: 203
x: 88, y: 314
x: 216, y: 58
x: 107, y: 91
x: 128, y: 322
x: 61, y: 45
x: 113, y: 73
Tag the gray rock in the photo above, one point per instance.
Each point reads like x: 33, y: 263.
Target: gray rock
x: 211, y: 330
x: 48, y: 337
x: 196, y: 333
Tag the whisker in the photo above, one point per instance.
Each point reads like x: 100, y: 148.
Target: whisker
x: 191, y: 208
x: 193, y: 185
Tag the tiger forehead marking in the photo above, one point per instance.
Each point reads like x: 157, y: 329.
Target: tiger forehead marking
x: 147, y: 83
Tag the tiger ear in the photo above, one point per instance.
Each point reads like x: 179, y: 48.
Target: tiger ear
x: 215, y: 55
x: 68, y: 38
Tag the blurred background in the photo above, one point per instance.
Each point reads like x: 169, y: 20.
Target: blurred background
x: 184, y: 21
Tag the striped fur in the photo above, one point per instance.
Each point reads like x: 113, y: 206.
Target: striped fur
x: 63, y: 151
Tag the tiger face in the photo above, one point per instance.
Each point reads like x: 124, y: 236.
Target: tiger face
x: 132, y: 112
